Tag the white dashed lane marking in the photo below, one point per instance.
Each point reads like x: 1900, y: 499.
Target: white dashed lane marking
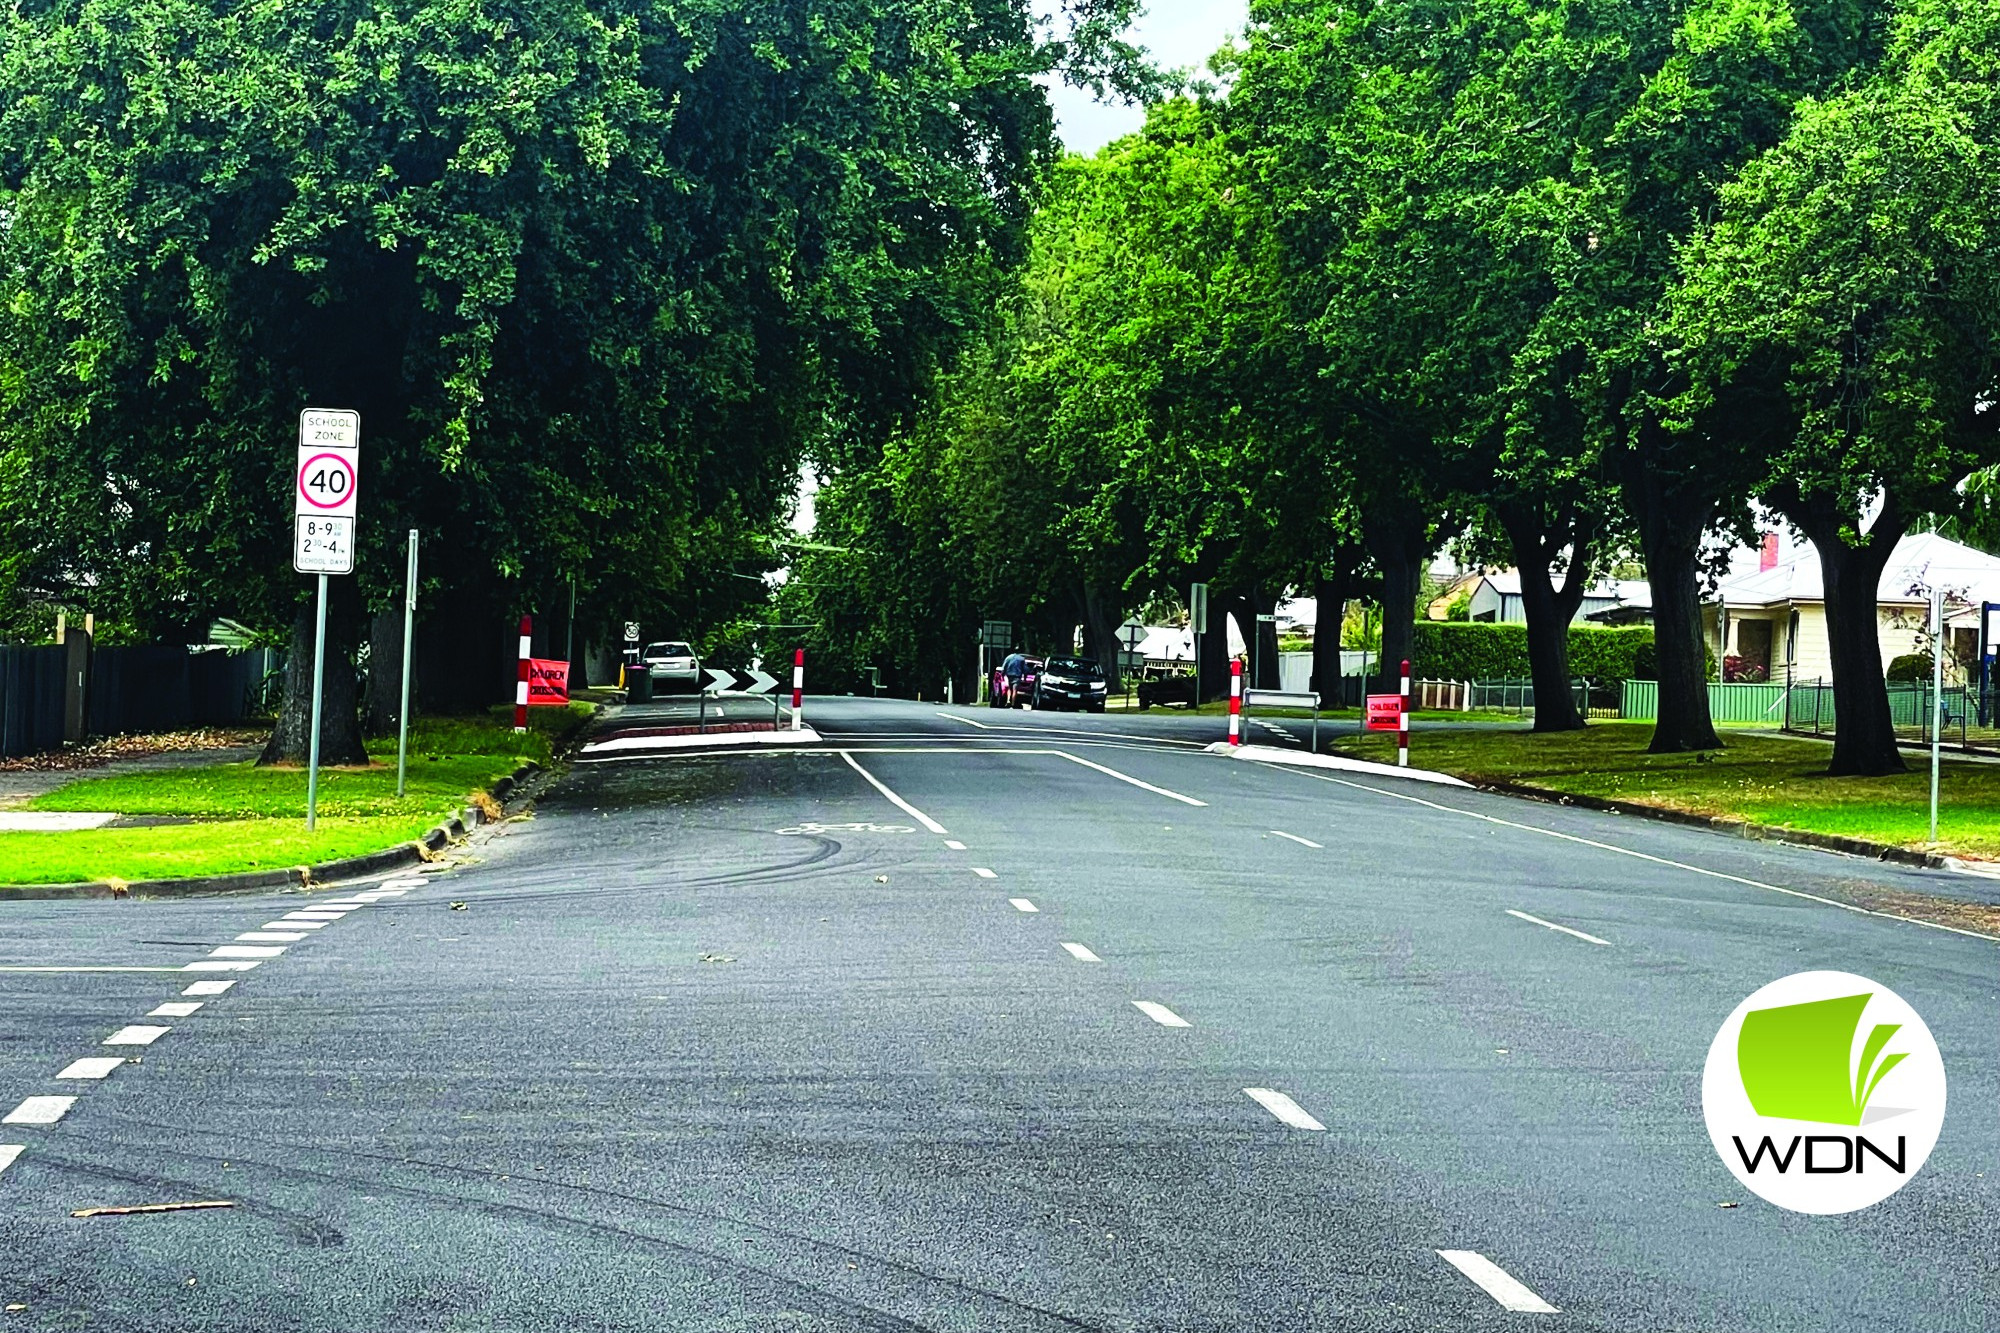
x: 954, y: 844
x: 138, y: 1034
x: 1497, y: 1282
x: 1160, y: 1014
x: 8, y: 1152
x: 94, y: 1067
x: 272, y: 936
x: 1591, y: 939
x: 175, y: 1009
x: 222, y: 965
x: 1081, y: 954
x: 1023, y: 905
x: 208, y: 987
x: 984, y: 873
x: 1293, y: 837
x: 39, y: 1111
x: 1283, y: 1107
x: 247, y: 951
x: 296, y: 925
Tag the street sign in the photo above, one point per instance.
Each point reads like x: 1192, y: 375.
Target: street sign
x: 723, y: 680
x: 326, y: 487
x: 997, y: 634
x: 631, y: 631
x: 548, y: 681
x: 1263, y: 619
x: 1385, y: 712
x: 1198, y: 607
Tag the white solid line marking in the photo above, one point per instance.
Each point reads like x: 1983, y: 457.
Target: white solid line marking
x: 321, y: 917
x: 296, y: 925
x: 175, y: 1009
x: 968, y: 721
x: 1497, y: 1282
x: 1553, y: 926
x: 1658, y: 860
x: 91, y: 969
x: 247, y: 951
x: 38, y: 1111
x: 894, y: 799
x: 272, y: 936
x: 208, y: 987
x: 1283, y: 1107
x: 222, y: 965
x: 1127, y: 777
x: 138, y: 1034
x: 338, y: 905
x: 1160, y: 1014
x: 94, y: 1067
x: 1081, y: 954
x: 984, y: 873
x: 1303, y: 842
x: 8, y: 1152
x: 954, y: 844
x: 1023, y: 905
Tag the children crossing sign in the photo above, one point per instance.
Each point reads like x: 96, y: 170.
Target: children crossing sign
x: 326, y: 488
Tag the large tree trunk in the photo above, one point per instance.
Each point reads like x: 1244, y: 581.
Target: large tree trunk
x: 1100, y: 636
x: 1864, y: 736
x: 340, y: 722
x: 1214, y: 649
x: 1550, y: 609
x: 1399, y: 551
x: 1670, y: 531
x: 1330, y: 590
x: 382, y: 698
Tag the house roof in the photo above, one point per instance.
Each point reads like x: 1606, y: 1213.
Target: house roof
x: 1507, y: 582
x: 1920, y: 561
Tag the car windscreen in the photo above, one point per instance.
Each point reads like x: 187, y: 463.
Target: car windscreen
x: 1075, y: 666
x: 668, y: 650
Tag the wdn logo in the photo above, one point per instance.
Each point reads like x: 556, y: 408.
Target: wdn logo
x: 1817, y: 1050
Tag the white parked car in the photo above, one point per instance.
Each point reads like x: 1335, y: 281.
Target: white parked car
x: 673, y: 666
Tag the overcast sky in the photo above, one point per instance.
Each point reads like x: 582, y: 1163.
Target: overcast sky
x: 1179, y: 33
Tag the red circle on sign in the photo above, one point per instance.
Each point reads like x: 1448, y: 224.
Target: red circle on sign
x: 345, y: 466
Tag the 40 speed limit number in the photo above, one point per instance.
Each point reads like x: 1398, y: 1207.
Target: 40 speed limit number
x: 326, y: 487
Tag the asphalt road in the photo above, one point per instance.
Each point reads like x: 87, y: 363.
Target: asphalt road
x: 769, y: 1039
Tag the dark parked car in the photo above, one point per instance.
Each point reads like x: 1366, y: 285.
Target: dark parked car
x: 1070, y: 683
x: 1167, y: 690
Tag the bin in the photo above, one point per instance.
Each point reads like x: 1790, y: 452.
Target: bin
x: 638, y: 684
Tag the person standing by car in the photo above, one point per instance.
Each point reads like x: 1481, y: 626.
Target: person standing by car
x: 1013, y: 668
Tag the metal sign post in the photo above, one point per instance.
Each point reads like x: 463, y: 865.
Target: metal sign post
x: 1198, y: 621
x: 403, y: 713
x: 326, y: 487
x: 1937, y: 698
x: 1135, y: 634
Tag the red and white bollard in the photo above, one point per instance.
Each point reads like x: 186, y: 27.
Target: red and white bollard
x: 521, y: 685
x: 1403, y: 721
x: 1236, y: 701
x: 798, y: 685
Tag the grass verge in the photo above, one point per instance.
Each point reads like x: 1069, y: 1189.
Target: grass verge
x: 1771, y: 780
x: 251, y: 818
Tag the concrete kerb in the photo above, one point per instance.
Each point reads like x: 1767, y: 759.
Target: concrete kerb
x: 296, y: 879
x: 1264, y: 754
x: 1742, y: 828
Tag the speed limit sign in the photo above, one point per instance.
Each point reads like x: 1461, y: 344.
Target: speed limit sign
x: 325, y: 487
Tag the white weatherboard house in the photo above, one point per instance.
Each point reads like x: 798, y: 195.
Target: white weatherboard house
x: 1496, y: 597
x: 1775, y: 619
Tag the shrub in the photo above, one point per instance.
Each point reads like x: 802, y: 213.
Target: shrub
x: 1474, y: 650
x: 1909, y: 666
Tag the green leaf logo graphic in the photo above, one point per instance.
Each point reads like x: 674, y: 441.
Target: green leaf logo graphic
x: 1797, y: 1061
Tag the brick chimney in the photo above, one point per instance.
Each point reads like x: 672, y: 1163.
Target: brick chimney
x: 1767, y: 556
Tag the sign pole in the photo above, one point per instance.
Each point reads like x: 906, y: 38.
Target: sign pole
x: 319, y: 678
x: 403, y: 713
x: 1937, y: 698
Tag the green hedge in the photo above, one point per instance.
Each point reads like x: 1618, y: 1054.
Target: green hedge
x: 1471, y: 650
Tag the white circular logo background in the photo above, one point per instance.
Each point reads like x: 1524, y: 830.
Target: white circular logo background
x: 1904, y: 1101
